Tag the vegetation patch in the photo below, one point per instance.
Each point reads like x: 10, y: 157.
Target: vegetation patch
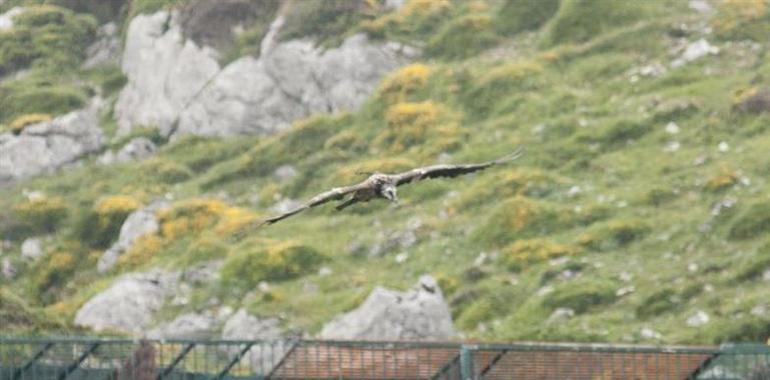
x: 500, y: 83
x: 41, y: 214
x: 753, y: 221
x: 614, y: 234
x: 404, y: 82
x: 328, y: 21
x: 742, y: 19
x: 519, y: 218
x: 581, y: 295
x: 412, y: 124
x: 581, y: 20
x: 269, y: 262
x: 524, y: 253
x: 38, y: 94
x: 516, y: 16
x: 463, y: 37
x: 18, y: 318
x: 100, y: 226
x: 18, y: 124
x: 45, y: 36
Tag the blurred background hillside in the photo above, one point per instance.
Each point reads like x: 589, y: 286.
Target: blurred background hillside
x: 140, y: 138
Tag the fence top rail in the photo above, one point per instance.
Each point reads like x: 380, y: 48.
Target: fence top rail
x: 393, y: 345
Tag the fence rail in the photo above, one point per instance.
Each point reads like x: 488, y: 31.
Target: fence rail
x: 125, y: 359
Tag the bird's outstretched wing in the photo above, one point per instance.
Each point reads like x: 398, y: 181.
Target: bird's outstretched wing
x: 331, y: 195
x: 436, y: 171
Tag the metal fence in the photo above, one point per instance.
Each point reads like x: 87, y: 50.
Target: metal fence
x: 123, y: 359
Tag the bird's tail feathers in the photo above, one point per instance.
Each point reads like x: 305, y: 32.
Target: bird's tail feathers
x: 511, y: 156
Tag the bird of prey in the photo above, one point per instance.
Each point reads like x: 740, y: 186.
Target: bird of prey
x: 380, y: 185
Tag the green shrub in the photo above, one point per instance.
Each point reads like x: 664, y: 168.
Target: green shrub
x: 581, y: 295
x: 463, y: 37
x: 658, y: 303
x: 519, y: 218
x: 17, y: 317
x: 150, y: 6
x: 46, y: 36
x: 520, y: 15
x: 614, y: 234
x: 166, y: 171
x: 616, y: 133
x: 742, y: 19
x: 755, y: 266
x: 753, y: 221
x: 41, y: 214
x: 323, y: 20
x: 500, y: 83
x: 99, y: 226
x: 582, y: 20
x: 272, y: 262
x: 39, y: 95
x: 526, y: 252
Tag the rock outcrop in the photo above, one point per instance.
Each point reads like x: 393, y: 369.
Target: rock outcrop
x: 137, y: 224
x: 106, y: 49
x: 420, y: 313
x: 164, y: 72
x: 130, y: 304
x: 47, y: 146
x: 178, y: 86
x: 186, y: 326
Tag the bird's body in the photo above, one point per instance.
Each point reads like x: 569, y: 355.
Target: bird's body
x: 381, y: 185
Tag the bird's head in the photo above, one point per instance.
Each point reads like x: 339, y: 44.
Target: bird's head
x: 389, y: 192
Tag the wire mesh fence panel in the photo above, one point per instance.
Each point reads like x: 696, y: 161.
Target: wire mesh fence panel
x: 570, y: 362
x: 122, y: 359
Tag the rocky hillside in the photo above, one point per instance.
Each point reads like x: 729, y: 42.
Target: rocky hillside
x: 140, y: 140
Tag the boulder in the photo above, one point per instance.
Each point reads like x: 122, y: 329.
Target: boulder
x: 47, y: 146
x: 137, y: 224
x: 106, y: 49
x: 186, y: 326
x: 420, y: 313
x: 31, y: 249
x: 130, y: 304
x: 164, y: 72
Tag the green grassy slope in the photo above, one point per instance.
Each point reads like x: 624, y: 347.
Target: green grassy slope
x: 628, y: 222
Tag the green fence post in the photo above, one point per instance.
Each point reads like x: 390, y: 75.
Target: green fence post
x: 466, y: 361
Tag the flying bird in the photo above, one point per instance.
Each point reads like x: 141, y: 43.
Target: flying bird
x: 380, y: 185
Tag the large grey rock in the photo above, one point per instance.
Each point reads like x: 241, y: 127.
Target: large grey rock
x: 186, y: 326
x: 139, y: 223
x: 48, y: 146
x: 164, y: 73
x: 244, y: 326
x: 178, y: 87
x: 420, y: 313
x: 130, y: 304
x: 31, y: 249
x: 106, y: 49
